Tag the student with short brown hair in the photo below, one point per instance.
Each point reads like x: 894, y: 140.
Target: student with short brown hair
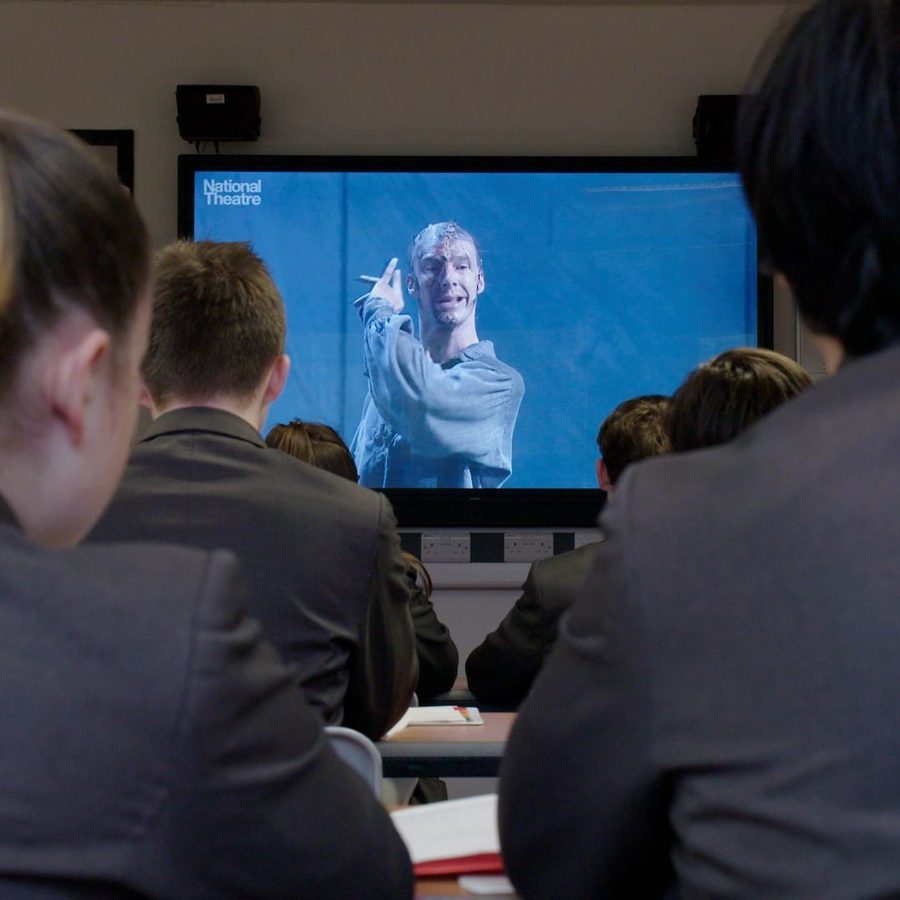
x: 219, y: 323
x: 634, y: 430
x: 321, y: 555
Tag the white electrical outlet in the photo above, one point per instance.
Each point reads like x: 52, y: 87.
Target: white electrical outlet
x: 526, y: 546
x: 446, y: 548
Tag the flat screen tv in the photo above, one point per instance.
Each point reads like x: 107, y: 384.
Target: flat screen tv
x: 595, y: 279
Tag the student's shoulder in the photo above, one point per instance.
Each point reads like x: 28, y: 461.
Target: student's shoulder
x: 577, y: 562
x: 155, y: 582
x: 136, y: 610
x: 558, y: 578
x: 324, y: 489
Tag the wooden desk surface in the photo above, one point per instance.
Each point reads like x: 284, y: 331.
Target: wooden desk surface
x: 448, y: 887
x: 494, y: 731
x: 447, y: 750
x: 439, y: 887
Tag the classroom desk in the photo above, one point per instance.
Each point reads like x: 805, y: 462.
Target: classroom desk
x: 460, y: 695
x: 439, y: 887
x: 449, y: 887
x: 447, y: 751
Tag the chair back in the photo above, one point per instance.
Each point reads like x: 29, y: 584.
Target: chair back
x: 358, y: 752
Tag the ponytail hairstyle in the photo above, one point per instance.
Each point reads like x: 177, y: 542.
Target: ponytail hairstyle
x: 70, y: 238
x: 726, y: 395
x: 316, y: 444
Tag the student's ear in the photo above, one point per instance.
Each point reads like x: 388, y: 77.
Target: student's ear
x: 76, y: 379
x: 831, y: 349
x: 479, y: 288
x: 603, y: 481
x: 145, y: 399
x: 277, y: 379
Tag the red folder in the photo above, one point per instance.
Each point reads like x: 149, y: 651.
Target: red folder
x: 479, y: 863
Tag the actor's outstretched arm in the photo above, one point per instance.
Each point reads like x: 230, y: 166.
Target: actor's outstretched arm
x: 465, y: 409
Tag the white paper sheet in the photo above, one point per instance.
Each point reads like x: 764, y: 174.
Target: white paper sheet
x: 450, y: 829
x: 438, y: 715
x: 498, y: 885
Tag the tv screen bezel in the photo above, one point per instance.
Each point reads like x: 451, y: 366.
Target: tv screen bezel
x: 422, y: 508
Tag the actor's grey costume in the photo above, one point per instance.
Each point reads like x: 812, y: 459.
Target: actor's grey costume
x: 502, y: 668
x: 430, y: 425
x: 321, y: 555
x: 720, y: 714
x: 154, y: 745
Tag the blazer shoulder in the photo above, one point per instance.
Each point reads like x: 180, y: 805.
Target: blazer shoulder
x: 160, y: 583
x: 559, y: 577
x: 316, y: 484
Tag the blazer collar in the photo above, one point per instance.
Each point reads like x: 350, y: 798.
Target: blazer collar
x: 202, y: 418
x: 7, y: 516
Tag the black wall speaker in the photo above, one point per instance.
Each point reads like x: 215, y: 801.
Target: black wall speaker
x: 214, y: 112
x: 715, y: 126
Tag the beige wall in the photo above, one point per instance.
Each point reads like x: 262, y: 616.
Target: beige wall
x: 386, y: 78
x: 380, y: 78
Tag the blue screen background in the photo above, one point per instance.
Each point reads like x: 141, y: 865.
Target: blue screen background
x: 598, y: 287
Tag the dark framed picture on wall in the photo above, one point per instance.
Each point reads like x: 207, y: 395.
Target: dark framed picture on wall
x: 114, y: 147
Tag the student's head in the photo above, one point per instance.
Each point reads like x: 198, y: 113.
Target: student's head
x: 74, y: 313
x: 819, y: 154
x: 722, y: 397
x: 445, y: 275
x: 218, y: 330
x: 316, y: 444
x: 634, y: 430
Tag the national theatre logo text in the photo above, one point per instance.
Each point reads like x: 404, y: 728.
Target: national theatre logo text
x: 226, y: 192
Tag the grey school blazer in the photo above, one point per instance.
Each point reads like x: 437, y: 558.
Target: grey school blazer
x: 154, y: 745
x: 320, y: 554
x: 502, y: 668
x: 721, y: 714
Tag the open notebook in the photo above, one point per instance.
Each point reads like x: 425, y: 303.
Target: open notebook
x: 453, y: 837
x: 438, y: 715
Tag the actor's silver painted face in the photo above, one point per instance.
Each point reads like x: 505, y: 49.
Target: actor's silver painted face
x: 448, y: 280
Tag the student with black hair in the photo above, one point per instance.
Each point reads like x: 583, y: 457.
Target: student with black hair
x: 719, y: 718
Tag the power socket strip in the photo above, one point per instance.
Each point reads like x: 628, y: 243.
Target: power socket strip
x: 455, y: 548
x: 527, y: 546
